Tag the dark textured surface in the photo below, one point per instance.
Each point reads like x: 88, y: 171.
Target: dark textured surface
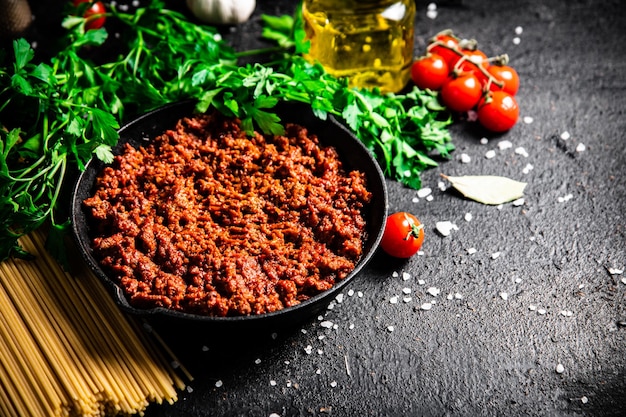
x: 480, y: 354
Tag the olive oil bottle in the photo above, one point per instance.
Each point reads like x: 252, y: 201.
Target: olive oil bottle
x: 368, y: 41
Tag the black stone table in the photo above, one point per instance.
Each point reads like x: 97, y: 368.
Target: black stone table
x: 528, y: 306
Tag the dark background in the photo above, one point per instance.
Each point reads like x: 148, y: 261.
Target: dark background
x: 479, y: 355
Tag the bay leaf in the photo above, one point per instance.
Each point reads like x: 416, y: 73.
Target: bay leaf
x: 488, y: 189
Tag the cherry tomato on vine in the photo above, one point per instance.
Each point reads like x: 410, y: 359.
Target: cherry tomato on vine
x: 471, y: 61
x: 403, y: 236
x: 94, y: 21
x: 507, y: 75
x: 461, y: 93
x: 429, y: 72
x: 498, y: 111
x: 444, y: 46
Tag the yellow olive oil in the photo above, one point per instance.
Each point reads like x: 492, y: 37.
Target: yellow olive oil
x: 369, y: 42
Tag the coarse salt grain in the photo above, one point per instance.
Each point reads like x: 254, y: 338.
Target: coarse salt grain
x: 532, y: 307
x: 490, y: 154
x: 559, y: 368
x: 623, y: 280
x: 495, y: 255
x: 350, y: 293
x: 518, y: 280
x: 339, y: 298
x: 468, y: 217
x: 565, y: 135
x: 429, y: 198
x: 465, y: 158
x: 390, y: 328
x: 426, y: 306
x: 333, y: 384
x: 415, y: 200
x: 504, y: 296
x: 450, y: 296
x: 393, y: 300
x: 274, y: 415
x: 434, y: 291
x: 516, y: 40
x: 421, y: 282
x: 542, y: 311
x: 528, y: 120
x: 272, y: 382
x: 308, y: 350
x: 445, y: 227
x: 518, y: 30
x: 581, y: 147
x: 458, y: 296
x: 484, y: 141
x: 518, y: 202
x: 423, y: 192
x: 616, y: 271
x: 406, y: 276
x: 407, y: 299
x: 327, y: 324
x: 584, y: 400
x: 351, y: 326
x: 472, y: 251
x: 565, y: 198
x: 527, y: 168
x: 359, y: 294
x: 566, y: 313
x: 442, y: 186
x: 218, y: 383
x: 257, y: 361
x: 521, y: 151
x: 406, y: 290
x: 505, y: 144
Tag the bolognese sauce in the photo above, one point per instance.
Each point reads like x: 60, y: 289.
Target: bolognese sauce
x: 208, y: 220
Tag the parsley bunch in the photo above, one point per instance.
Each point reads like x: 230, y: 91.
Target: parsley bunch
x: 55, y: 116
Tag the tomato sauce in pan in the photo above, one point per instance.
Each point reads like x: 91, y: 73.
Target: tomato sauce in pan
x: 210, y: 221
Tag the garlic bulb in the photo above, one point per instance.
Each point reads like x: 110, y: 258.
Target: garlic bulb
x: 222, y: 12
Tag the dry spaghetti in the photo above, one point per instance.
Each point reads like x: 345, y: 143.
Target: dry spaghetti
x: 67, y: 350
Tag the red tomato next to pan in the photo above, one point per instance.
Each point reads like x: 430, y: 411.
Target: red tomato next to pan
x: 94, y: 14
x: 403, y: 235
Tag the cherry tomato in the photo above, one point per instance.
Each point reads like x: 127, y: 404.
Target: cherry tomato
x: 441, y: 45
x: 430, y: 72
x: 403, y: 236
x: 94, y: 14
x: 498, y: 111
x: 471, y: 61
x: 507, y: 75
x: 461, y: 93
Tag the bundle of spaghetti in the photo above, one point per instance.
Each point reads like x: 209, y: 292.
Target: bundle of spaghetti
x: 67, y: 350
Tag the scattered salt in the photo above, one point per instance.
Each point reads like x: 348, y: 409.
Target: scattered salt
x: 581, y: 147
x: 567, y: 313
x: 518, y: 30
x: 532, y: 307
x: 420, y: 253
x: 407, y: 299
x: 274, y: 415
x: 272, y: 382
x: 442, y: 186
x: 521, y: 151
x: 518, y: 202
x: 495, y: 255
x: 339, y: 298
x: 518, y: 280
x: 616, y: 271
x: 406, y: 290
x: 351, y: 326
x: 490, y: 154
x: 527, y: 168
x: 395, y: 274
x: 471, y: 251
x: 516, y: 40
x: 565, y: 198
x: 560, y: 369
x: 504, y: 296
x: 421, y: 282
x: 257, y: 361
x: 505, y: 144
x: 426, y: 306
x: 390, y: 328
x: 205, y: 348
x: 450, y: 296
x: 218, y: 383
x: 429, y: 198
x: 458, y: 296
x: 623, y: 280
x: 308, y: 349
x: 393, y: 300
x: 350, y: 293
x: 541, y: 311
x: 326, y: 324
x: 431, y: 11
x: 465, y: 158
x: 528, y: 120
x: 433, y: 291
x: 484, y: 141
x: 431, y: 6
x: 406, y: 276
x: 359, y: 294
x: 445, y: 227
x: 423, y: 192
x: 584, y: 400
x: 415, y: 200
x: 565, y: 135
x: 468, y: 217
x: 333, y: 384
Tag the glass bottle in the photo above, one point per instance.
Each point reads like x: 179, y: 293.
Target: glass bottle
x: 368, y: 41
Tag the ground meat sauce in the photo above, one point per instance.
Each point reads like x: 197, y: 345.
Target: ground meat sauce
x: 210, y: 221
